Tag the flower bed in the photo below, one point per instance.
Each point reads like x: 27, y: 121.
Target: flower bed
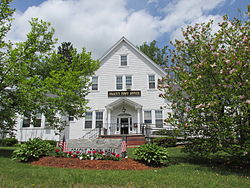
x: 89, y: 155
x: 61, y: 162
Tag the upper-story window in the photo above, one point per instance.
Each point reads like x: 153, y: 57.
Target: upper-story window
x: 151, y: 81
x: 95, y: 83
x: 124, y: 60
x: 119, y: 82
x: 128, y: 82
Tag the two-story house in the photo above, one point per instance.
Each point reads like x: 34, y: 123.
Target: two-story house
x: 123, y: 98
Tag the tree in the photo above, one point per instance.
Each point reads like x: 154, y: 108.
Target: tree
x: 209, y: 93
x: 35, y: 78
x: 159, y: 56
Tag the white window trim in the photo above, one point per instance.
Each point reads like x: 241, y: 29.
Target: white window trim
x: 122, y: 82
x: 93, y: 114
x: 120, y: 62
x: 98, y: 84
x: 102, y: 117
x: 156, y: 84
x: 152, y: 118
x: 132, y: 81
x: 162, y: 118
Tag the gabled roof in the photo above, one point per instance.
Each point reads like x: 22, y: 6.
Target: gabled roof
x: 123, y: 100
x: 123, y: 39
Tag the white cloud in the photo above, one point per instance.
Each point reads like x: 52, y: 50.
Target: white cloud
x: 184, y: 12
x: 93, y: 24
x: 152, y: 1
x: 97, y: 24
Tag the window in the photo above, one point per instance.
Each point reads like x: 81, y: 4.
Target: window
x: 26, y: 122
x: 158, y: 119
x: 124, y: 60
x: 99, y: 119
x: 37, y: 121
x: 151, y: 81
x: 95, y: 83
x: 147, y: 117
x: 119, y: 82
x: 128, y: 81
x: 71, y: 118
x: 88, y: 120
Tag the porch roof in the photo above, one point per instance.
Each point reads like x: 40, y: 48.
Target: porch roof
x: 124, y: 100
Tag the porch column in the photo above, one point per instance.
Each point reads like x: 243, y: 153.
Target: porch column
x: 109, y: 121
x: 138, y: 120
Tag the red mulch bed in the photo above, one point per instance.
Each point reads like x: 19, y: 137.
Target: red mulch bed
x: 124, y: 164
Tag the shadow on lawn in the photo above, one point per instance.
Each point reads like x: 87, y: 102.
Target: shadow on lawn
x: 216, y: 165
x: 6, y: 152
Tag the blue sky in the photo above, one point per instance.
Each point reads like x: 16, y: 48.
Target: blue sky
x: 98, y: 24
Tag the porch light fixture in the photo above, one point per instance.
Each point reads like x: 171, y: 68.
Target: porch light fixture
x: 123, y: 109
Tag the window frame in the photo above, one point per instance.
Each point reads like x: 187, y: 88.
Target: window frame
x: 149, y: 120
x: 122, y: 60
x: 121, y: 83
x: 28, y: 119
x: 88, y: 120
x: 159, y: 119
x: 38, y: 118
x: 126, y: 83
x: 151, y: 82
x: 97, y: 120
x: 95, y: 84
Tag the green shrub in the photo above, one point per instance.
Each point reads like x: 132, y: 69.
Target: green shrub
x: 165, y: 141
x: 151, y: 154
x: 52, y: 142
x: 32, y: 150
x: 9, y: 142
x: 172, y: 133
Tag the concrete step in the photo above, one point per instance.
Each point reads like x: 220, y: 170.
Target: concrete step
x: 132, y: 140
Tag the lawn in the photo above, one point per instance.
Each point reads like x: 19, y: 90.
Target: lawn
x: 180, y: 173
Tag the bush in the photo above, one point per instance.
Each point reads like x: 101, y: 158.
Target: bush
x: 165, y: 141
x: 51, y: 142
x: 173, y: 133
x: 9, y: 142
x: 151, y: 154
x: 32, y: 150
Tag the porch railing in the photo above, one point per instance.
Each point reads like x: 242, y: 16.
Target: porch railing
x: 115, y: 129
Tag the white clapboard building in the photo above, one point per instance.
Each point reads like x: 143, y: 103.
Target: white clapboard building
x: 123, y: 99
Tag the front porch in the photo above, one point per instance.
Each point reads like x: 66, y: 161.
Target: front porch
x: 119, y: 130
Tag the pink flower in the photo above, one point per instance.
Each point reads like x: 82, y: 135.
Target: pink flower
x: 228, y: 61
x: 241, y: 96
x: 117, y: 156
x: 70, y: 152
x: 94, y: 152
x: 101, y: 152
x: 74, y: 156
x: 213, y: 65
x: 231, y: 71
x: 57, y: 150
x: 113, y: 153
x: 200, y: 106
x: 77, y: 152
x: 89, y: 151
x: 247, y: 101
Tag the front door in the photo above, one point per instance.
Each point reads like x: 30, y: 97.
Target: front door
x: 124, y: 125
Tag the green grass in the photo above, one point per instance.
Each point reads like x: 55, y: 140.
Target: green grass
x: 180, y: 173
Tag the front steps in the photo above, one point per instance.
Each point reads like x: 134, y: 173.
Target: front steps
x: 132, y: 140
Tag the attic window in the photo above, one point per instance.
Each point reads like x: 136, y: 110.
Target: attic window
x: 124, y: 60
